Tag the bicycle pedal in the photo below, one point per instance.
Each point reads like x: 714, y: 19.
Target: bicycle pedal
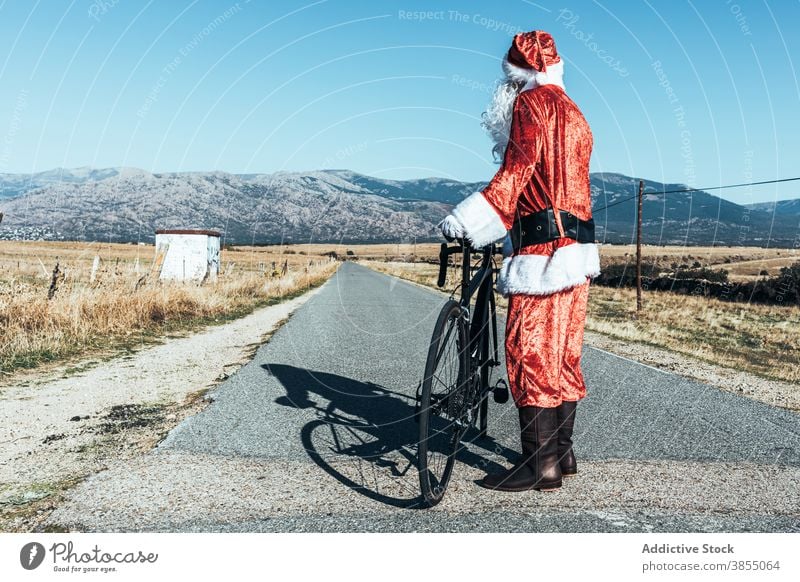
x: 500, y: 392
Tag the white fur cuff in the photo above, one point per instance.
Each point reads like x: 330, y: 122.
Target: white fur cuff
x: 482, y: 224
x: 542, y: 275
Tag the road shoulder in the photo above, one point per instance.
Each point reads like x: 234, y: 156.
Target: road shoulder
x: 60, y: 430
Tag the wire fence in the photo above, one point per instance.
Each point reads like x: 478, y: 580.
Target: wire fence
x: 697, y: 190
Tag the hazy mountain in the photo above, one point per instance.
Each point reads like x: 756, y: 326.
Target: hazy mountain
x: 694, y: 218
x: 12, y: 185
x: 430, y: 189
x: 780, y: 207
x: 260, y: 208
x: 127, y: 204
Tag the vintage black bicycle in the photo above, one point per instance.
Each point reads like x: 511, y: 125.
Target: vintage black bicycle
x: 453, y: 395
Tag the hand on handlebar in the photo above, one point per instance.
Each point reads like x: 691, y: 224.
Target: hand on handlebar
x: 451, y: 228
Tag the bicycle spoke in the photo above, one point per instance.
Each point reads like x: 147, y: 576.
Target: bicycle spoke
x: 443, y: 343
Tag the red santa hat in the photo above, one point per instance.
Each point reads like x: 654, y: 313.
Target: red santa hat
x: 533, y: 50
x: 533, y: 60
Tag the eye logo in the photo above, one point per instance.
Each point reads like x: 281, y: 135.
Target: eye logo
x: 31, y: 556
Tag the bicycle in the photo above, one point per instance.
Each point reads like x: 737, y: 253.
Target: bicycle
x: 453, y: 395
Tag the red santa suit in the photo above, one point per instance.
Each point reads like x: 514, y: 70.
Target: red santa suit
x: 546, y: 164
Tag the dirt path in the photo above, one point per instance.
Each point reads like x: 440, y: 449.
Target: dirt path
x: 56, y: 430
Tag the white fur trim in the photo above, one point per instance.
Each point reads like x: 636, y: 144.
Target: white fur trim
x: 542, y: 275
x: 533, y: 78
x: 482, y: 224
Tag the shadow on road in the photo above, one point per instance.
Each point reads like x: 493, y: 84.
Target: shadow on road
x: 365, y: 435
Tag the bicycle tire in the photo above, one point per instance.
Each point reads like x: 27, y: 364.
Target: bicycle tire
x: 485, y: 376
x: 480, y: 332
x: 439, y: 433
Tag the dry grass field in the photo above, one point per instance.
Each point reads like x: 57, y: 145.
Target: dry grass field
x: 742, y: 263
x: 37, y: 258
x: 759, y: 339
x: 119, y: 309
x: 707, y: 255
x: 109, y: 313
x: 380, y: 252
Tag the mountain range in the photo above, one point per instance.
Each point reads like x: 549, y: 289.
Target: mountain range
x: 778, y: 207
x: 128, y: 204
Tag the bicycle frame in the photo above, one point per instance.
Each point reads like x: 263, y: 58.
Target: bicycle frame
x: 480, y: 284
x: 455, y: 402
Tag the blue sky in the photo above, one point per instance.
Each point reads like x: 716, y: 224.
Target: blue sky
x: 696, y: 92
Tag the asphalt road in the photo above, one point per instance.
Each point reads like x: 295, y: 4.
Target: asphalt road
x: 317, y: 434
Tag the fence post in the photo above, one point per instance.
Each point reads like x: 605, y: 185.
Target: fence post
x: 95, y: 267
x: 639, y: 249
x: 57, y: 277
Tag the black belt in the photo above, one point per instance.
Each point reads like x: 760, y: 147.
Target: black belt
x: 540, y: 227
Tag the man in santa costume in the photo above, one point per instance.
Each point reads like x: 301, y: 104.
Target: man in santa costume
x: 540, y: 202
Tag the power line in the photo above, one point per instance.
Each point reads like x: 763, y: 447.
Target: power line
x: 699, y: 190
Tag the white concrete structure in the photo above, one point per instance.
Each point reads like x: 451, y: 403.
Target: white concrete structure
x: 190, y: 254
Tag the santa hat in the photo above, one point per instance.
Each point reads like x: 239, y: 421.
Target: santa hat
x: 533, y: 60
x: 533, y: 50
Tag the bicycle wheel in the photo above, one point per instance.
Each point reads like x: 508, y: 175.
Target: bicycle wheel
x: 481, y: 334
x: 443, y: 401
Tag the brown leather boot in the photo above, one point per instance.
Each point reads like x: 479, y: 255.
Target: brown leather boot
x: 537, y: 467
x: 566, y: 422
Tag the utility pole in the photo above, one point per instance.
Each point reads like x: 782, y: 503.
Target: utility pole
x: 639, y: 249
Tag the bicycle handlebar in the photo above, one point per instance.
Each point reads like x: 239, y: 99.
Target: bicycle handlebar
x: 445, y: 251
x: 444, y: 254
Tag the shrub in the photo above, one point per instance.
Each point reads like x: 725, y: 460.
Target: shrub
x: 781, y: 290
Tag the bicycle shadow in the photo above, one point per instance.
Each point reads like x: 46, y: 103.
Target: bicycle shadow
x: 365, y: 435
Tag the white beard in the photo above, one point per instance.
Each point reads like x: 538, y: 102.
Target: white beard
x: 496, y: 120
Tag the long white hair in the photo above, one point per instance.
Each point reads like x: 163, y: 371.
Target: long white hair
x: 496, y: 120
